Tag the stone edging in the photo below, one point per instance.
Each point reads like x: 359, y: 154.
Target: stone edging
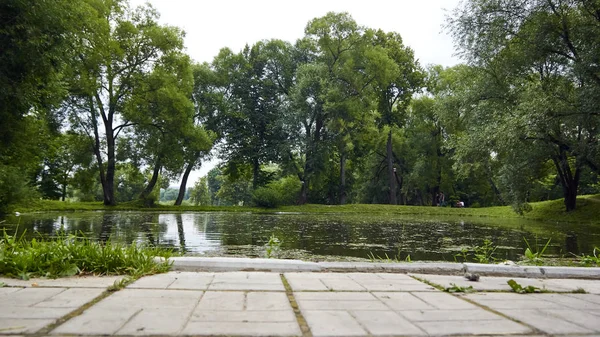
x: 218, y: 264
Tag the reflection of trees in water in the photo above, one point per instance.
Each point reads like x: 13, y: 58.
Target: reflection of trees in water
x: 571, y: 243
x: 150, y: 226
x: 318, y: 234
x: 108, y: 222
x: 181, y: 233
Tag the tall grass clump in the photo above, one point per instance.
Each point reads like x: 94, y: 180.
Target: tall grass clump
x: 69, y: 255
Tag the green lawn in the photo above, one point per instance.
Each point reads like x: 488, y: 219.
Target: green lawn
x: 588, y: 209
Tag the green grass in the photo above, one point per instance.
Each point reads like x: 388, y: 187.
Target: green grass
x: 68, y: 255
x: 588, y: 209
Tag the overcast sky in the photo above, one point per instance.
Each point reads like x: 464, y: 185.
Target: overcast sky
x: 212, y: 25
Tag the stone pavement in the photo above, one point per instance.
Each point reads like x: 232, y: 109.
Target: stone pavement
x: 297, y: 304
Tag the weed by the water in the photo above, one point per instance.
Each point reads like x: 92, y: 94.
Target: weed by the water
x: 388, y: 259
x: 523, y: 290
x: 273, y: 246
x: 485, y: 253
x: 590, y: 260
x: 480, y: 254
x: 535, y: 258
x: 68, y: 255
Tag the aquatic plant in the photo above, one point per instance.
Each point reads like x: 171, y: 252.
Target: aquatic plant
x: 535, y: 258
x: 273, y: 246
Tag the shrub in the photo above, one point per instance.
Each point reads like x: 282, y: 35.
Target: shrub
x: 14, y: 188
x: 288, y: 188
x: 266, y: 197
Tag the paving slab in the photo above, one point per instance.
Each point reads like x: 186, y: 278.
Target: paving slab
x: 332, y: 313
x: 354, y: 282
x: 64, y: 282
x: 590, y: 286
x: 466, y: 327
x: 175, y: 280
x: 135, y: 311
x: 247, y: 281
x: 494, y: 283
x: 23, y: 325
x: 549, y: 313
x: 243, y: 313
x: 27, y: 310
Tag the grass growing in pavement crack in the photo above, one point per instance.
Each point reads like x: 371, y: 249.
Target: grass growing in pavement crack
x: 301, y: 320
x: 69, y: 255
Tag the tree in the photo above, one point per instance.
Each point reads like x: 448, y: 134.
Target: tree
x: 339, y: 45
x: 539, y: 86
x: 37, y: 44
x: 396, y: 79
x: 257, y: 80
x: 119, y: 48
x: 200, y: 194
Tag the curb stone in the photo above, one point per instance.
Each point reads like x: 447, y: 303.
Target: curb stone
x: 441, y: 268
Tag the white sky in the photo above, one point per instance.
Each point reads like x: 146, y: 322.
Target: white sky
x: 212, y: 25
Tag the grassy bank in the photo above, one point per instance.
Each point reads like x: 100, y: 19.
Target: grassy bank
x: 68, y: 255
x: 588, y: 209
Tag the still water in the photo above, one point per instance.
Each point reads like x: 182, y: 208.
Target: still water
x: 313, y: 236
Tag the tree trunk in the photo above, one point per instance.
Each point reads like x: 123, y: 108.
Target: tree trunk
x: 148, y: 190
x: 255, y: 173
x: 109, y: 188
x: 342, y: 178
x: 96, y: 148
x: 568, y: 180
x: 303, y: 192
x: 64, y: 191
x: 183, y: 185
x: 391, y: 176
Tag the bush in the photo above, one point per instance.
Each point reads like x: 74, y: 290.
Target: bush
x: 288, y: 189
x: 266, y: 197
x: 14, y: 188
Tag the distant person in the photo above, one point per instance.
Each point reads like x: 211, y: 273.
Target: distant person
x: 442, y: 199
x: 460, y: 204
x: 436, y: 201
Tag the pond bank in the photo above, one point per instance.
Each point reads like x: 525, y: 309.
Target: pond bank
x: 588, y: 209
x: 221, y: 264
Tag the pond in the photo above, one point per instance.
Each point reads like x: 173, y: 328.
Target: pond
x: 314, y: 236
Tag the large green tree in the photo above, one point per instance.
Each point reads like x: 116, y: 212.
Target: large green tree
x: 256, y: 83
x: 539, y: 85
x: 119, y: 48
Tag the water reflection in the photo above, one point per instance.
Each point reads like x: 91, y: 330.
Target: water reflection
x: 331, y: 234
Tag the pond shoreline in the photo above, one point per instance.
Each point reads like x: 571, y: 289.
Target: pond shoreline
x: 588, y: 210
x: 221, y: 264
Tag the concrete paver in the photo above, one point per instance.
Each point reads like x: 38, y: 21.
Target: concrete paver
x: 354, y: 282
x: 247, y: 281
x: 491, y: 283
x: 332, y: 304
x: 65, y: 282
x: 243, y: 313
x: 549, y: 313
x: 398, y: 313
x: 175, y: 280
x: 27, y: 310
x: 590, y: 286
